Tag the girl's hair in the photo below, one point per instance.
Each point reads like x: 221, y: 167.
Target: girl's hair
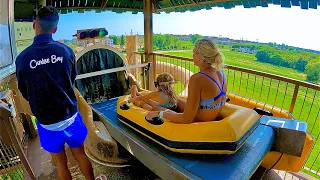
x: 209, y: 53
x: 164, y: 83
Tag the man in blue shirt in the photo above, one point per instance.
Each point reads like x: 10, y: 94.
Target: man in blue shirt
x: 46, y: 72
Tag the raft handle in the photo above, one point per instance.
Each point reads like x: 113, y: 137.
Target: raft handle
x: 155, y: 121
x: 124, y: 107
x: 262, y: 111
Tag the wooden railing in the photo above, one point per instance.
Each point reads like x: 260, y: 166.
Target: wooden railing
x: 300, y: 98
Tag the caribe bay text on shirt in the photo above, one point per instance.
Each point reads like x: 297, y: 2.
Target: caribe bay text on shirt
x: 54, y: 59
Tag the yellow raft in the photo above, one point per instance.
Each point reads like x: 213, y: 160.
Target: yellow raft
x: 215, y: 137
x: 272, y: 159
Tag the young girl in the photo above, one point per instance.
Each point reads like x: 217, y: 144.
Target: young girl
x: 163, y: 99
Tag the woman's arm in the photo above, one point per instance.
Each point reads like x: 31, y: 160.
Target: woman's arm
x: 192, y: 104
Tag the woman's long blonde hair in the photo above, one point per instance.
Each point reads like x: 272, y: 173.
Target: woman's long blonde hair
x: 165, y: 83
x: 209, y: 53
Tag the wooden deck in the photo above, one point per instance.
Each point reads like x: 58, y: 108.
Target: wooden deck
x: 44, y: 168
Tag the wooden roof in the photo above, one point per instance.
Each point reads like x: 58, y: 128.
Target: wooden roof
x: 167, y: 6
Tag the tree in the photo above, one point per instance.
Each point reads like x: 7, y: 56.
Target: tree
x: 313, y: 71
x: 169, y: 41
x: 177, y: 43
x: 195, y: 38
x: 301, y: 65
x: 263, y: 56
x: 235, y: 46
x: 122, y: 40
x: 116, y: 39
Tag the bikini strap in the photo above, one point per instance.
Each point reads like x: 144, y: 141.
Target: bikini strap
x: 164, y: 96
x: 211, y: 79
x: 222, y: 72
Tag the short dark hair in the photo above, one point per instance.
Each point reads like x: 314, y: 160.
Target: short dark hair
x: 48, y: 18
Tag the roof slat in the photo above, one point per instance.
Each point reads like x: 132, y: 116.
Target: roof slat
x: 167, y: 6
x: 295, y: 3
x: 246, y: 4
x: 304, y: 4
x: 286, y: 3
x: 313, y: 4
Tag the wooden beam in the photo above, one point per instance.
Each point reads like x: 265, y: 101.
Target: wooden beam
x: 154, y: 6
x: 104, y: 4
x: 148, y: 29
x: 106, y: 8
x: 172, y: 3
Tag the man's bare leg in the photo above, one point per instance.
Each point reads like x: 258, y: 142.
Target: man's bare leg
x: 83, y: 161
x: 61, y: 162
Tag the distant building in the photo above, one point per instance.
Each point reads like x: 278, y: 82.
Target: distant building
x: 246, y: 50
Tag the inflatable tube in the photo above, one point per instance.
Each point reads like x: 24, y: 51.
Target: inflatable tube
x: 251, y: 104
x: 215, y: 137
x: 183, y: 75
x: 179, y: 74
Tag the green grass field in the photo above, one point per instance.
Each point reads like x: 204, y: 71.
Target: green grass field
x: 187, y: 44
x: 273, y: 92
x: 249, y: 61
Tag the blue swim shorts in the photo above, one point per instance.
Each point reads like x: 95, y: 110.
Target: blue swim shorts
x: 74, y: 135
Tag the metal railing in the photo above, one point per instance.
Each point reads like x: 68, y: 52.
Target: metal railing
x: 302, y: 99
x: 13, y: 160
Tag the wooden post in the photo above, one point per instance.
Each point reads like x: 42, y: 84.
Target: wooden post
x: 153, y: 71
x: 142, y: 74
x: 294, y: 98
x: 147, y: 8
x: 131, y: 45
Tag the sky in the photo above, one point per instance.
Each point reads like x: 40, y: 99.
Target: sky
x: 291, y: 26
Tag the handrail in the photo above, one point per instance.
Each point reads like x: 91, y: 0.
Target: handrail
x: 107, y: 71
x: 171, y: 56
x: 136, y: 52
x: 260, y: 73
x: 277, y: 77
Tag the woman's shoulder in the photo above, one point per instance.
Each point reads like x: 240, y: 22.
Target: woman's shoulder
x: 194, y: 80
x: 195, y: 76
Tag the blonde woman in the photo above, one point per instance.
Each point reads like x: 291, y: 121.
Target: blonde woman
x: 206, y: 91
x: 162, y: 99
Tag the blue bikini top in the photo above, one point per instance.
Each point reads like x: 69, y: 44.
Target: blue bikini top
x: 167, y: 105
x: 206, y: 103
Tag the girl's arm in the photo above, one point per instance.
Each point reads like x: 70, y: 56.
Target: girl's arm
x: 148, y: 96
x: 191, y: 108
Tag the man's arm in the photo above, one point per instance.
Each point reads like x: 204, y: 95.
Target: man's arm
x: 74, y: 67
